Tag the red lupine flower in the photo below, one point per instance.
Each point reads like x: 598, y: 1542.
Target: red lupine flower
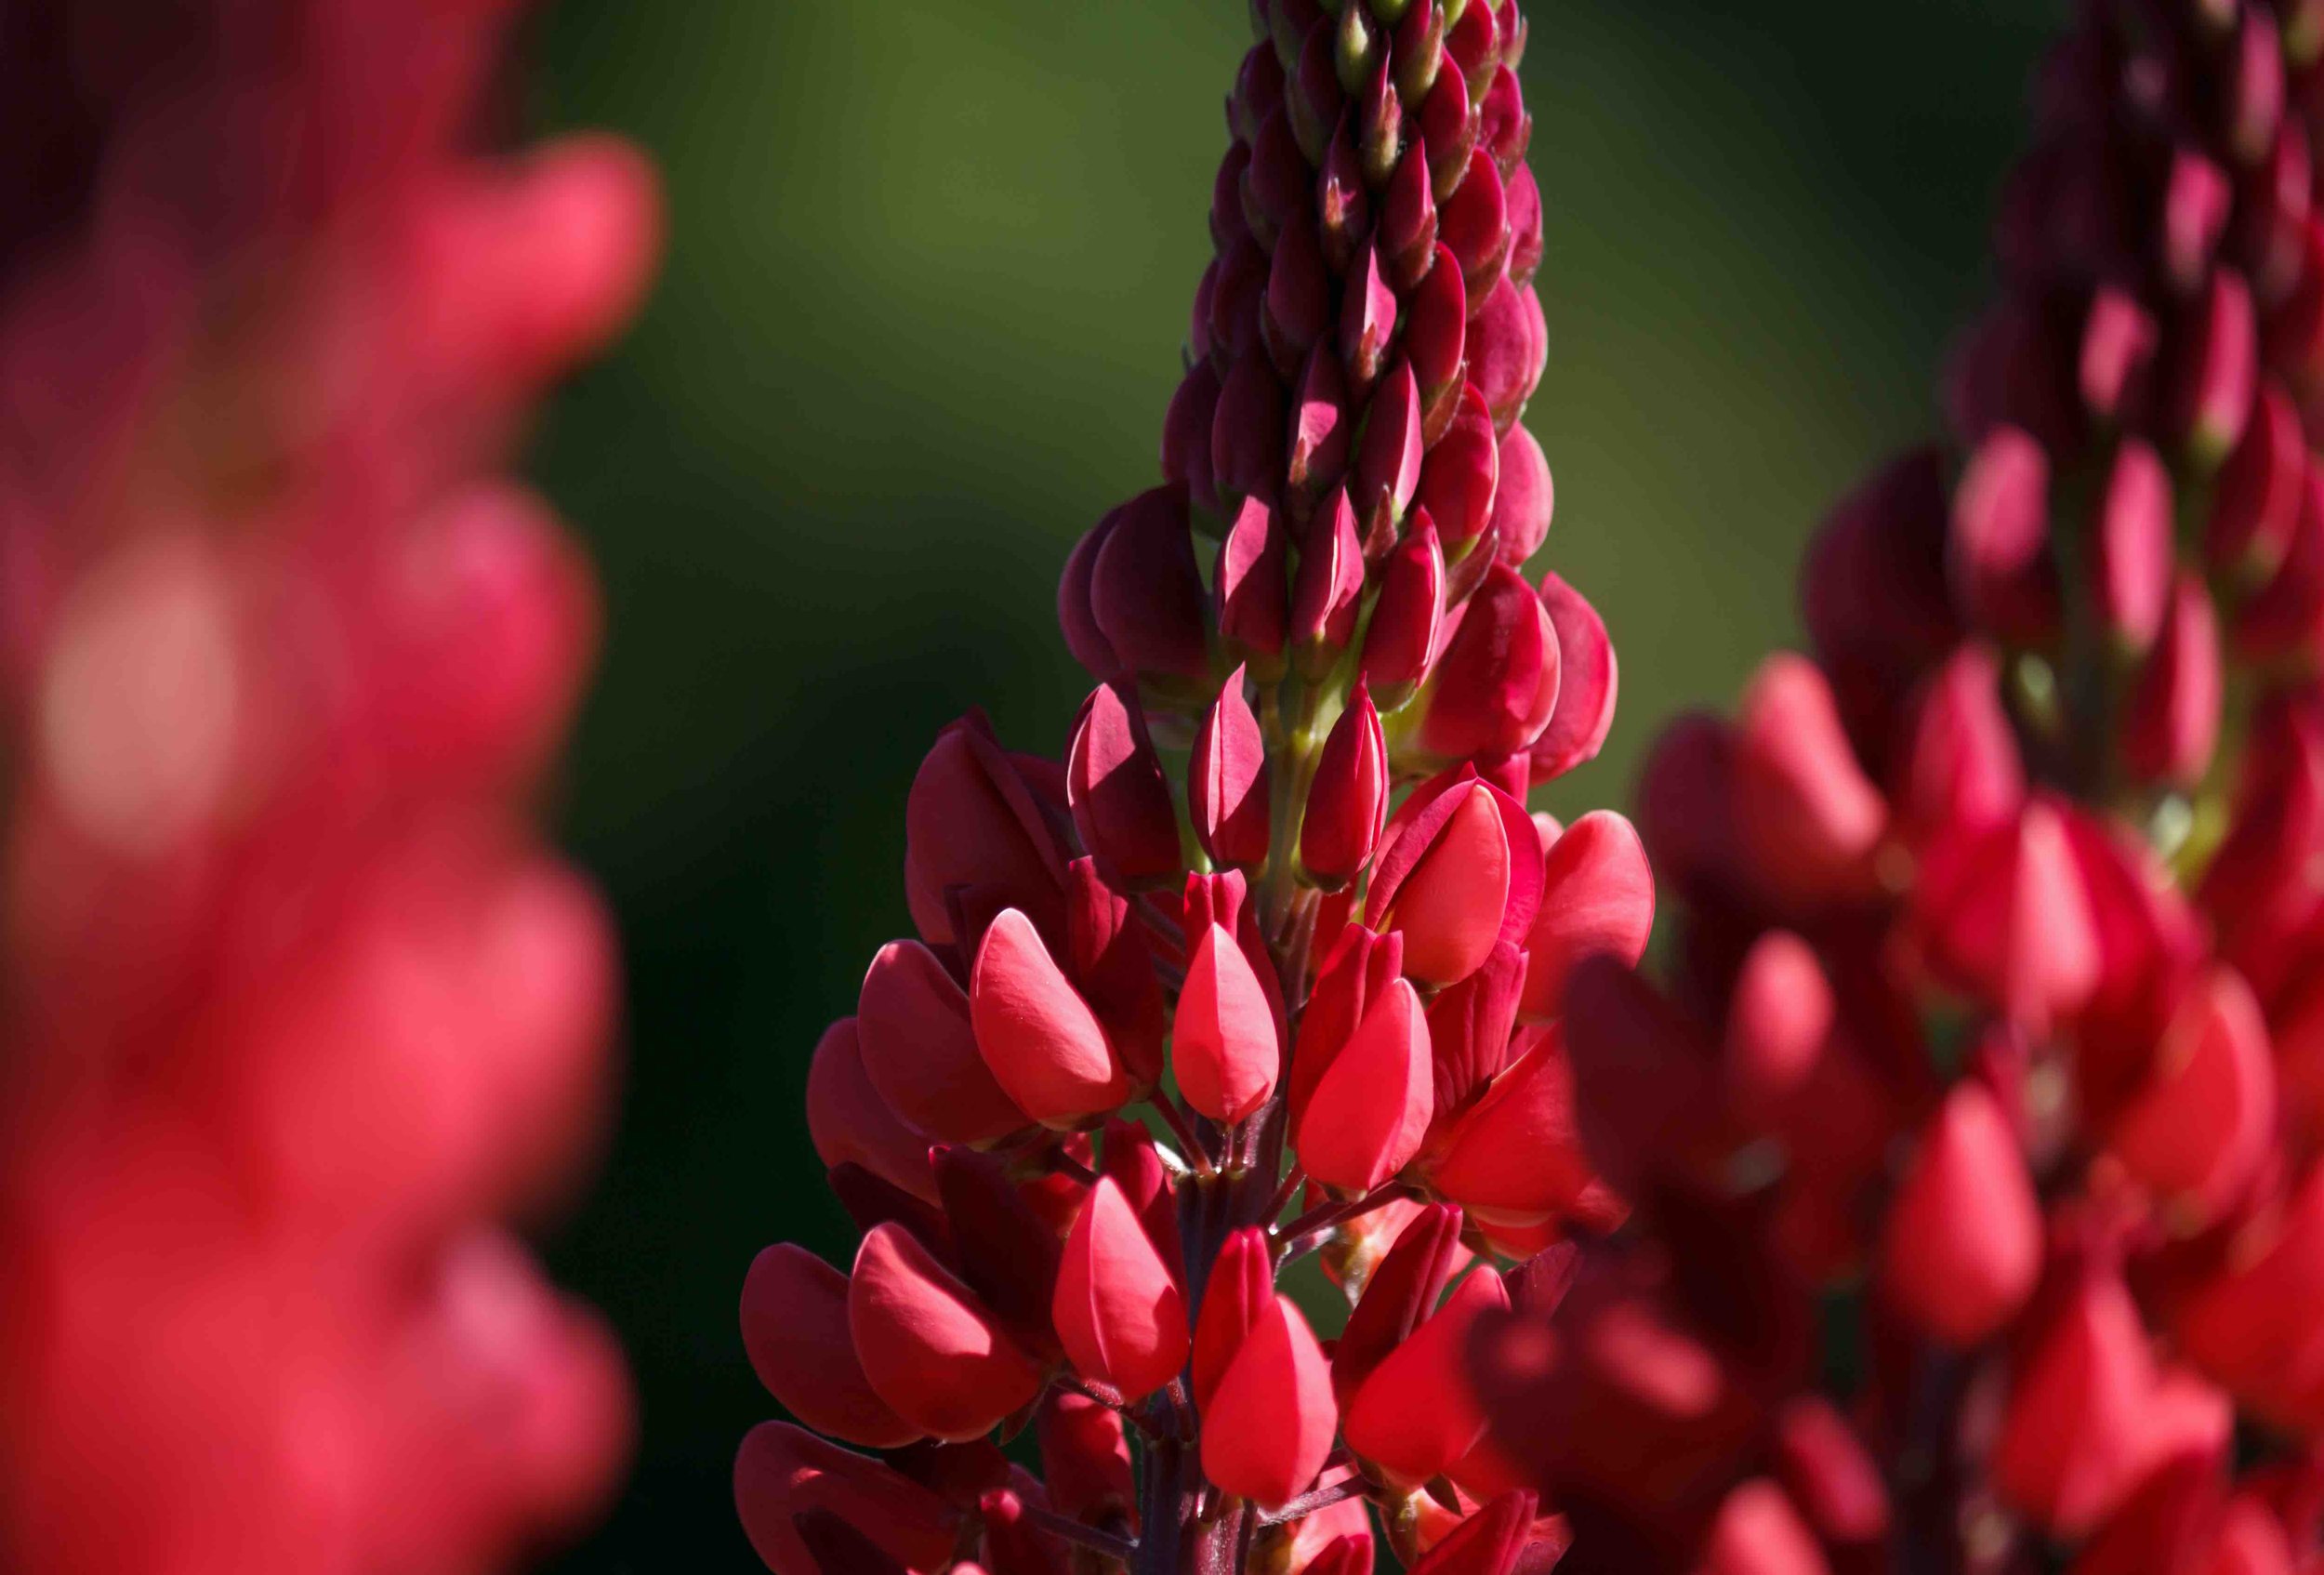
x: 1975, y: 1188
x: 298, y: 1007
x: 1176, y: 1041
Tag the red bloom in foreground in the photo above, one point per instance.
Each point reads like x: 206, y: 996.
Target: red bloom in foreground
x: 1206, y: 998
x: 1972, y: 1142
x: 298, y: 1009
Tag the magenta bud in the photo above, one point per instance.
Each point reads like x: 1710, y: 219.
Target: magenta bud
x: 1315, y: 98
x: 1241, y: 1287
x: 1469, y: 1027
x: 1290, y: 22
x: 918, y: 1049
x: 1359, y: 47
x: 850, y: 1123
x: 1505, y: 129
x: 2006, y: 915
x: 1226, y: 780
x: 1228, y: 227
x: 1145, y: 593
x: 1258, y: 93
x: 1371, y: 1107
x: 1298, y: 311
x: 1448, y: 130
x: 1960, y: 764
x: 1186, y: 436
x: 1597, y: 900
x: 1367, y: 319
x: 2131, y: 560
x: 1419, y: 50
x: 1120, y: 800
x: 1378, y: 128
x: 1225, y: 1044
x: 1111, y: 963
x: 1327, y: 593
x: 1275, y: 186
x: 1459, y: 477
x: 1320, y: 423
x: 1037, y: 1034
x: 1473, y: 44
x: 1997, y: 555
x: 1247, y: 433
x: 1343, y: 208
x: 1436, y: 326
x: 1075, y: 615
x: 1388, y: 461
x: 1509, y: 343
x: 1356, y: 972
x: 1347, y: 803
x: 1497, y: 683
x: 1407, y: 237
x: 2197, y: 198
x: 1474, y: 223
x: 1401, y: 1292
x: 1808, y: 820
x: 1235, y: 299
x: 2219, y: 376
x: 930, y: 1348
x: 2256, y: 502
x: 2255, y: 98
x: 1401, y: 639
x: 1588, y: 678
x: 2118, y: 352
x: 1525, y: 498
x: 1464, y: 873
x: 1522, y: 194
x: 1118, y: 1307
x: 2173, y: 722
x: 1252, y: 588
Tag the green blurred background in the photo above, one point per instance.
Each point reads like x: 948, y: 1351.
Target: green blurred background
x: 930, y: 270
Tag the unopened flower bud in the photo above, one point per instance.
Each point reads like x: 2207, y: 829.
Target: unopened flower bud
x: 1523, y: 198
x: 795, y: 1328
x: 930, y: 1349
x: 1118, y: 1310
x: 1998, y: 555
x: 1321, y: 422
x: 1435, y: 335
x: 2172, y: 726
x: 1458, y: 478
x: 1269, y: 1426
x: 1525, y: 498
x: 1597, y: 899
x: 1401, y: 639
x: 1226, y: 780
x: 1397, y: 1295
x: 1356, y: 972
x: 1085, y: 1460
x: 1448, y: 128
x: 1961, y: 766
x: 1388, y: 461
x: 2004, y: 914
x: 1497, y: 683
x: 1469, y: 1028
x: 1414, y: 1414
x: 1039, y: 1038
x: 783, y: 1474
x: 1297, y: 314
x: 1808, y: 818
x: 1508, y: 345
x: 919, y: 1050
x: 1253, y: 590
x: 1588, y: 678
x: 1347, y: 801
x: 850, y: 1123
x: 1186, y: 446
x: 1464, y: 873
x: 1248, y: 431
x: 1224, y: 1046
x: 2255, y: 504
x: 2219, y: 377
x: 975, y: 824
x: 1406, y: 236
x: 1120, y: 800
x: 1517, y: 1156
x: 2131, y: 552
x: 1371, y: 1107
x: 1240, y: 1290
x: 1145, y: 593
x: 2199, y: 1132
x: 1473, y: 222
x: 1960, y: 1249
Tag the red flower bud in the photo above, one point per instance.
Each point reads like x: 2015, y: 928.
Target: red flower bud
x: 1258, y: 86
x: 1509, y: 344
x: 1225, y: 1045
x: 1459, y: 477
x: 2118, y: 350
x: 1075, y: 615
x: 1118, y: 1310
x: 795, y: 1328
x: 1506, y: 129
x: 1999, y: 553
x: 1832, y: 1478
x: 1448, y: 125
x: 1388, y: 463
x: 1416, y: 1413
x: 1226, y: 780
x: 1328, y: 591
x: 1347, y: 802
x: 974, y: 823
x: 1808, y: 819
x: 1236, y: 292
x: 1587, y: 680
x: 2005, y: 915
x: 1120, y: 800
x: 1111, y: 960
x: 1464, y: 873
x: 782, y: 1473
x: 920, y: 1051
x: 1005, y: 1251
x: 1758, y: 1531
x: 2201, y: 1128
x: 1516, y: 1158
x: 1523, y: 498
x: 1241, y: 1290
x: 1297, y: 312
x: 1274, y: 186
x: 1371, y: 1108
x: 928, y: 1346
x: 1497, y: 1539
x: 2197, y: 198
x: 1474, y: 223
x: 1248, y: 433
x: 1035, y: 1033
x: 1401, y: 641
x: 1961, y: 766
x: 1398, y: 1295
x: 2172, y: 726
x: 1436, y: 328
x: 1185, y: 462
x: 850, y: 1123
x: 1343, y: 210
x: 1271, y: 1418
x: 2073, y: 1435
x: 1779, y: 1024
x: 1961, y: 1246
x: 1321, y: 421
x: 2253, y: 1326
x: 1407, y: 237
x: 1523, y: 199
x: 1468, y: 1026
x: 1367, y: 320
x: 1597, y: 898
x: 2219, y: 377
x: 1253, y: 589
x: 2255, y: 504
x: 1085, y: 1460
x: 2131, y: 557
x: 1472, y: 42
x: 1356, y: 972
x: 1497, y: 683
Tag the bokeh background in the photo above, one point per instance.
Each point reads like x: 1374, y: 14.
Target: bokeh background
x: 930, y: 273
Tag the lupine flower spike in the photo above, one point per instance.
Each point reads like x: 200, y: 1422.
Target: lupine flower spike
x: 298, y: 1010
x: 1973, y: 1145
x: 1269, y: 968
